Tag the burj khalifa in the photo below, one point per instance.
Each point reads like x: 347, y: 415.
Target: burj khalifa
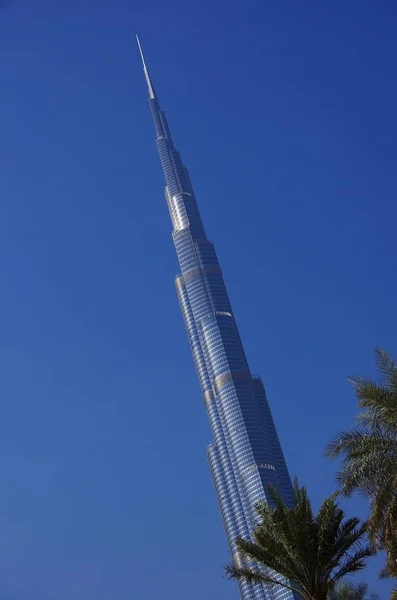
x: 245, y: 455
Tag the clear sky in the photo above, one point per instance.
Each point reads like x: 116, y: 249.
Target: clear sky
x: 285, y: 114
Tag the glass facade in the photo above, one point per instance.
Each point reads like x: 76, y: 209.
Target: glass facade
x: 245, y: 455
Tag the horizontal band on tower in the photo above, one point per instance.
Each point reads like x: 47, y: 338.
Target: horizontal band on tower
x: 229, y: 376
x: 179, y: 283
x: 197, y: 272
x: 258, y: 466
x: 208, y: 396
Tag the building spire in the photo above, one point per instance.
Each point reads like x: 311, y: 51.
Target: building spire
x: 149, y: 83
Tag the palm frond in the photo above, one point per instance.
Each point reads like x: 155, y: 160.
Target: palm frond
x: 347, y: 590
x: 353, y: 563
x: 387, y: 367
x: 369, y: 456
x: 296, y: 549
x: 256, y: 576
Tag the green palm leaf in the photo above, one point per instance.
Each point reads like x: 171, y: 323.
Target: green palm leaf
x: 369, y: 455
x: 347, y: 590
x: 295, y: 549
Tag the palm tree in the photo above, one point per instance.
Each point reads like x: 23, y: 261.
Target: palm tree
x: 369, y: 453
x: 347, y: 590
x: 311, y: 553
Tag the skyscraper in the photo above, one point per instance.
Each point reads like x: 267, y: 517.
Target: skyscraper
x: 245, y: 455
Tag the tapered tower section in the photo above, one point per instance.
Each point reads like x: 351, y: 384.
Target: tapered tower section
x: 245, y: 455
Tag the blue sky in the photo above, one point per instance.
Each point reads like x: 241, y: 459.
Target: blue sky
x: 285, y: 115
